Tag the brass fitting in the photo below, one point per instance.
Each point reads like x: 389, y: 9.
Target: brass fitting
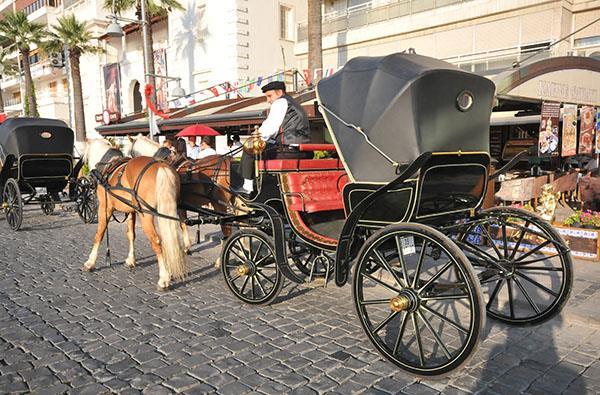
x: 4, y: 205
x: 254, y: 145
x: 399, y: 303
x: 243, y: 270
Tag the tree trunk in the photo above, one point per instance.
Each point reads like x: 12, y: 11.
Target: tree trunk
x: 315, y: 50
x: 30, y: 101
x: 77, y: 97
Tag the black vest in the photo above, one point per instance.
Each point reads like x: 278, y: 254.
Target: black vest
x: 295, y: 128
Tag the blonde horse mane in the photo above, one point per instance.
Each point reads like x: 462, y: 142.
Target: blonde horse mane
x: 95, y: 150
x: 143, y: 146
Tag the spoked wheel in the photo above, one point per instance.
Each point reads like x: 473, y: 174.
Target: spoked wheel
x: 310, y: 261
x: 12, y: 204
x: 86, y: 200
x: 524, y: 265
x: 418, y: 299
x: 47, y: 204
x: 249, y: 267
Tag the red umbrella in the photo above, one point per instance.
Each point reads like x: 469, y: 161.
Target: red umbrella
x: 198, y: 130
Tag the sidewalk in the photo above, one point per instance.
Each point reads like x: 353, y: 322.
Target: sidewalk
x: 584, y: 303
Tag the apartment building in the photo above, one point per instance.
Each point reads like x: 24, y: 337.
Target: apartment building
x: 210, y: 42
x: 483, y: 36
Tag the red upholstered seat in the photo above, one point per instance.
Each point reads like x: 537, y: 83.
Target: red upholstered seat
x: 300, y: 164
x: 315, y: 191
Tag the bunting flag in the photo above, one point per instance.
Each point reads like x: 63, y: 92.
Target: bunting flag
x: 259, y: 80
x: 280, y: 77
x: 306, y: 74
x: 214, y: 90
x: 597, y: 130
x: 153, y: 125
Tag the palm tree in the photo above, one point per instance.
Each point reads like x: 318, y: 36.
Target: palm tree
x: 154, y: 8
x: 73, y: 36
x: 315, y: 50
x: 7, y: 67
x: 19, y: 30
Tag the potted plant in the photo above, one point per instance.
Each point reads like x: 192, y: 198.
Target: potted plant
x: 583, y: 219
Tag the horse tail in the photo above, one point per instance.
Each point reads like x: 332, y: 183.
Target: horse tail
x: 169, y: 230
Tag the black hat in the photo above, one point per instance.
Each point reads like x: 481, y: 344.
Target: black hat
x: 271, y: 86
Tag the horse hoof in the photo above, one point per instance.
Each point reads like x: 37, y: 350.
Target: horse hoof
x: 162, y: 289
x: 188, y: 252
x: 87, y: 269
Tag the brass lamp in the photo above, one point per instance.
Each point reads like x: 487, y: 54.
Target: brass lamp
x: 254, y: 145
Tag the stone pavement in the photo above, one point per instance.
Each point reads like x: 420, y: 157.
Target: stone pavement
x: 65, y: 331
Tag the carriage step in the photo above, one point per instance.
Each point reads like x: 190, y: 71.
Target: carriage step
x: 318, y: 282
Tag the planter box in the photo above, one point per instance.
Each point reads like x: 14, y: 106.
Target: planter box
x: 584, y: 243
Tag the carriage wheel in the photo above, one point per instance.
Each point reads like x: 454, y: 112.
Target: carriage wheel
x: 524, y: 265
x: 249, y: 267
x: 12, y: 204
x: 86, y: 200
x: 47, y: 204
x: 418, y: 299
x: 310, y: 261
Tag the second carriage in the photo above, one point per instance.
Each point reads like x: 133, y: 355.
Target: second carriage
x: 37, y: 165
x: 403, y: 203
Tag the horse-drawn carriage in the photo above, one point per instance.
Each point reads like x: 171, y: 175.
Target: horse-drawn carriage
x: 36, y: 165
x: 403, y: 203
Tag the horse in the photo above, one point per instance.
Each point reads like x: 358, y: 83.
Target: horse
x: 203, y: 180
x: 156, y: 189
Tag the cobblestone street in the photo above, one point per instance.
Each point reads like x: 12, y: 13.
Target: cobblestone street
x: 66, y: 331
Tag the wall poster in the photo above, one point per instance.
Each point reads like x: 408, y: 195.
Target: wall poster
x: 112, y: 87
x: 160, y: 68
x: 569, y: 130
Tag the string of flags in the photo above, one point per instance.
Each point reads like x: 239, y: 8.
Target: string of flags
x: 236, y: 87
x: 246, y: 85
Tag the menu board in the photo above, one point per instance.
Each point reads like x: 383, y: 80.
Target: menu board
x: 598, y: 130
x: 569, y: 130
x: 548, y: 137
x: 586, y: 131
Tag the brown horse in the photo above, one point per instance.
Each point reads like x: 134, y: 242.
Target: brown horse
x: 156, y: 184
x: 203, y: 181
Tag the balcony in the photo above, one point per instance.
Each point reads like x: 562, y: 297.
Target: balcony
x: 39, y: 9
x: 12, y: 104
x: 368, y: 13
x: 5, y: 5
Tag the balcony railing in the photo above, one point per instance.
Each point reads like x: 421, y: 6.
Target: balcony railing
x: 368, y: 13
x: 36, y: 5
x: 13, y: 101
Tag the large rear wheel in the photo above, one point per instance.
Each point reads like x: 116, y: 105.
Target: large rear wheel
x: 249, y: 267
x: 524, y: 265
x: 12, y: 204
x: 418, y: 299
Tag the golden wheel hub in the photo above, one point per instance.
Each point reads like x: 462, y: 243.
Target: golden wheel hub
x: 4, y: 205
x: 243, y: 270
x: 399, y: 303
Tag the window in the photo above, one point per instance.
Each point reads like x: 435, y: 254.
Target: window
x: 52, y: 88
x: 286, y: 23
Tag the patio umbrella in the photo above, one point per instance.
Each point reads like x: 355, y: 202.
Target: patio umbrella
x: 198, y: 130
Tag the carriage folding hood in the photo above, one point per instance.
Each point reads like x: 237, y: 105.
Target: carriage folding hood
x: 406, y: 104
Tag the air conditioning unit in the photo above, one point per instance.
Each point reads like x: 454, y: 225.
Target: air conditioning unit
x: 56, y: 59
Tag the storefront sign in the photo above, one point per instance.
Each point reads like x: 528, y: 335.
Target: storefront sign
x: 569, y: 130
x: 548, y: 138
x: 586, y: 131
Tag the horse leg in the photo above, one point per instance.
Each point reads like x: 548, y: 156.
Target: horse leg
x: 187, y: 243
x: 130, y: 261
x: 105, y: 211
x: 164, y: 280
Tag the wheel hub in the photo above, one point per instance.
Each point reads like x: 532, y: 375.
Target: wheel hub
x: 246, y: 269
x: 406, y: 300
x: 5, y: 205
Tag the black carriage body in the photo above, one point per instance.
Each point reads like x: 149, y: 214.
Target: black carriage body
x: 36, y: 151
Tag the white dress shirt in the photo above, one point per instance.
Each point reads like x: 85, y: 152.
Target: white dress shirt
x: 270, y: 127
x: 206, y: 152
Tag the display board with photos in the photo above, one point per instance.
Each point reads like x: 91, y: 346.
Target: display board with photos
x: 548, y: 137
x: 569, y: 130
